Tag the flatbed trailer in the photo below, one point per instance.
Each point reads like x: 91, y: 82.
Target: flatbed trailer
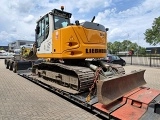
x: 17, y: 63
x: 141, y: 103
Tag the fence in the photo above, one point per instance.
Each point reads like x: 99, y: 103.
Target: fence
x: 151, y: 61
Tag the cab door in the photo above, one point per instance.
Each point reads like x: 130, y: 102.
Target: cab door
x: 43, y: 38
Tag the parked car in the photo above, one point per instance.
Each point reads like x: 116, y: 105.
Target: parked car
x: 114, y: 59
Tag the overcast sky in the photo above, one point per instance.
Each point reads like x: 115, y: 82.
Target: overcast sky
x: 126, y: 19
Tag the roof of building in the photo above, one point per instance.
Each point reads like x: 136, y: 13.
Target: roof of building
x: 21, y: 41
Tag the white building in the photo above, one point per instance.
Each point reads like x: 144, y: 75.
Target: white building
x: 16, y: 44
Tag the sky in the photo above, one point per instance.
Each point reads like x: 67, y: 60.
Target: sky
x: 126, y: 19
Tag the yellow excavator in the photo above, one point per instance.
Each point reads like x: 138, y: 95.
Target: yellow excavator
x: 74, y: 52
x: 66, y: 59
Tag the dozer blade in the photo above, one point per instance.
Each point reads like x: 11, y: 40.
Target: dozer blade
x: 109, y: 90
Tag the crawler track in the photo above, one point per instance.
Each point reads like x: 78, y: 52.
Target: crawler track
x: 72, y: 77
x: 77, y: 78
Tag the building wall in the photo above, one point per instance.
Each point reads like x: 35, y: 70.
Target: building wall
x: 16, y: 44
x: 154, y: 50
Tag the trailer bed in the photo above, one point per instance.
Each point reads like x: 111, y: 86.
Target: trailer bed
x: 141, y: 103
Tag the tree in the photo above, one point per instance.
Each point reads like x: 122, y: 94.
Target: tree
x: 1, y: 48
x: 126, y: 45
x: 152, y: 36
x: 109, y: 47
x: 116, y: 47
x: 134, y: 47
x: 142, y: 50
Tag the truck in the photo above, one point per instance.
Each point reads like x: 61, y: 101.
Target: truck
x: 67, y: 61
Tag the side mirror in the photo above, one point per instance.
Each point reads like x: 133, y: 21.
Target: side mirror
x: 37, y: 29
x: 107, y: 29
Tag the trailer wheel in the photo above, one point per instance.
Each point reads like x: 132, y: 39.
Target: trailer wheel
x: 38, y: 73
x: 5, y: 61
x: 14, y: 67
x: 11, y: 66
x: 7, y: 65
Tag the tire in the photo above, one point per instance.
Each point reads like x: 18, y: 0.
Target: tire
x: 11, y: 66
x: 123, y: 64
x: 14, y: 67
x: 5, y: 61
x: 7, y: 65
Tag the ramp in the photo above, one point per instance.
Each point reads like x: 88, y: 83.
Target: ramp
x: 108, y: 90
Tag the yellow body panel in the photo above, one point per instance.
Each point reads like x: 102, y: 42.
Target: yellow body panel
x: 77, y: 42
x: 56, y: 41
x: 25, y: 51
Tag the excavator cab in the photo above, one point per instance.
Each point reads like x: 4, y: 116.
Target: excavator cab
x: 46, y: 25
x: 60, y: 19
x: 48, y: 29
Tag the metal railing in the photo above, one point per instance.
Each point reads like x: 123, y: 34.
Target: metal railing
x: 152, y: 61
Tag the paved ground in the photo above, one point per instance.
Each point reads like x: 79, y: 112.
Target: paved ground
x: 21, y: 99
x: 152, y: 74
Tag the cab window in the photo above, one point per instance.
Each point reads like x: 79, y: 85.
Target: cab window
x: 116, y: 58
x: 43, y: 26
x: 60, y: 22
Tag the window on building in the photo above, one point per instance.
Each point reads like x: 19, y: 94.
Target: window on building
x: 22, y: 43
